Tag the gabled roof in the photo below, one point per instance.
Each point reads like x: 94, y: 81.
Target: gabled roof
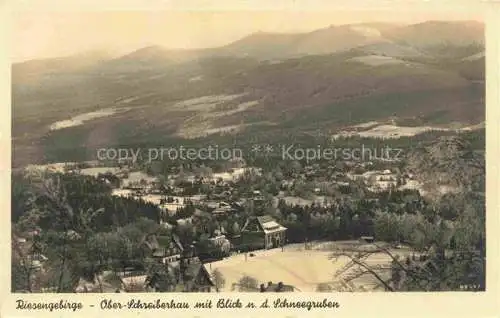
x: 150, y: 241
x: 138, y: 281
x: 177, y: 241
x: 269, y: 224
x: 266, y: 223
x: 192, y: 272
x: 265, y: 219
x: 222, y: 210
x: 84, y: 285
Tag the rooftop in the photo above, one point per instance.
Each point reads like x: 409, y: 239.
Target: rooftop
x: 269, y: 224
x: 279, y: 287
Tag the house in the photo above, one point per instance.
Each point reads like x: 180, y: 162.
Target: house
x: 225, y: 194
x: 238, y: 205
x: 185, y: 221
x: 219, y: 239
x: 224, y: 204
x: 286, y: 184
x: 212, y: 205
x: 367, y: 239
x: 197, y: 198
x: 223, y: 208
x: 134, y: 283
x: 342, y: 184
x: 367, y: 164
x: 237, y: 162
x: 166, y: 225
x: 35, y: 261
x: 221, y: 211
x: 257, y: 201
x: 356, y: 177
x: 263, y: 232
x: 195, y: 277
x: 177, y: 190
x: 136, y: 187
x: 190, y: 274
x: 170, y: 208
x: 169, y: 253
x: 95, y: 286
x: 221, y: 243
x: 383, y: 185
x: 276, y: 288
x: 191, y: 179
x: 73, y: 235
x: 34, y: 232
x: 385, y: 177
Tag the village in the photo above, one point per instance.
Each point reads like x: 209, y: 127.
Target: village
x: 236, y: 223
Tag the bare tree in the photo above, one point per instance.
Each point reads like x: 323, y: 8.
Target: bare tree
x: 358, y: 266
x: 324, y: 287
x: 429, y: 272
x: 72, y: 226
x: 22, y: 266
x: 246, y: 284
x: 218, y: 279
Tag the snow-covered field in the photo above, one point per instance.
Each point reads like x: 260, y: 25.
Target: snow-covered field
x: 82, y: 118
x: 303, y: 269
x: 376, y: 60
x: 204, y: 103
x: 234, y: 175
x: 377, y: 130
x: 366, y: 31
x: 210, y: 108
x: 136, y: 177
x: 367, y: 124
x: 392, y: 131
x: 474, y: 57
x: 99, y: 170
x: 196, y: 78
x: 59, y: 167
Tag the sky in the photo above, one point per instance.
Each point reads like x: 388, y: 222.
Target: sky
x: 45, y: 34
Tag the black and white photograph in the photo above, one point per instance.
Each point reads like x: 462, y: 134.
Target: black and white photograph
x: 260, y: 151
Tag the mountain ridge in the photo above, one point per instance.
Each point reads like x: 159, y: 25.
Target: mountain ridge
x: 389, y: 32
x: 365, y: 77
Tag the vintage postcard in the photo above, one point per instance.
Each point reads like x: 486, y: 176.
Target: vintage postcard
x: 278, y: 158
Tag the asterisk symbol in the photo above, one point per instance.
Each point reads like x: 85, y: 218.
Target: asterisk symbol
x: 256, y: 148
x: 268, y: 149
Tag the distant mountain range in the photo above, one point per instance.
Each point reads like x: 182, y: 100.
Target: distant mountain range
x: 324, y: 79
x: 424, y: 39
